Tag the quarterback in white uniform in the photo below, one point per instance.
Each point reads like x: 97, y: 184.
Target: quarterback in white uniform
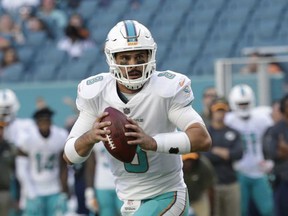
x: 252, y: 167
x: 157, y: 104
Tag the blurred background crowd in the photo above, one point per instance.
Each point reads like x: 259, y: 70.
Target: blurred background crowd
x: 42, y: 40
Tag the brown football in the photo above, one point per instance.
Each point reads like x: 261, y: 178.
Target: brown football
x: 117, y: 145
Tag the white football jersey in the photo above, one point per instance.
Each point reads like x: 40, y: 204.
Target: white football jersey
x: 252, y: 131
x: 103, y: 175
x: 14, y: 133
x: 150, y: 173
x: 44, y: 154
x: 14, y: 130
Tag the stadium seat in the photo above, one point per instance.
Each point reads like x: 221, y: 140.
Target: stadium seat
x: 13, y: 73
x: 204, y: 66
x: 178, y: 64
x: 118, y: 7
x: 98, y: 67
x: 44, y: 72
x: 76, y: 70
x: 91, y: 55
x: 188, y: 34
x: 208, y: 4
x: 52, y: 54
x: 26, y: 54
x: 87, y: 8
x: 37, y: 39
x: 240, y: 5
x: 141, y: 16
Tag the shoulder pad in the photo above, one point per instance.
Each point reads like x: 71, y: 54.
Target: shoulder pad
x: 92, y: 86
x: 169, y: 83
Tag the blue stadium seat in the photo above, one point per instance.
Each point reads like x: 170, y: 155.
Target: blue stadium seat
x: 51, y: 54
x: 98, y: 67
x: 200, y: 18
x: 145, y: 12
x: 91, y: 55
x: 181, y: 5
x: 87, y: 8
x: 118, y: 7
x: 37, y: 39
x: 76, y: 70
x: 241, y: 5
x: 188, y: 34
x: 208, y: 4
x: 180, y: 64
x: 26, y: 54
x: 99, y: 29
x: 141, y: 16
x: 219, y: 49
x: 44, y: 72
x: 204, y: 66
x: 13, y: 73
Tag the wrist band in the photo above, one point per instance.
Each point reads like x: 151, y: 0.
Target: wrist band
x: 173, y: 143
x: 71, y: 152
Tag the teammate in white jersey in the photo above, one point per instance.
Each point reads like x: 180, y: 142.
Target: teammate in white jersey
x: 252, y: 168
x: 100, y: 185
x: 157, y: 103
x: 9, y: 107
x: 41, y: 169
x: 13, y: 127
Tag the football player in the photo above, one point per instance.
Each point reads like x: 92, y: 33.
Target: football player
x: 41, y: 168
x: 9, y: 107
x: 13, y: 128
x: 252, y: 167
x: 164, y: 124
x: 100, y: 194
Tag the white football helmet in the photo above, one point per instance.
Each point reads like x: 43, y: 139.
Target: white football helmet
x: 242, y: 100
x: 9, y: 105
x: 130, y: 35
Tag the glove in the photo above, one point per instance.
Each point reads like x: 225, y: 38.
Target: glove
x: 90, y: 200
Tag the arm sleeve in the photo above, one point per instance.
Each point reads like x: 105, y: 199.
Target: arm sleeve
x: 83, y: 123
x: 181, y: 112
x: 183, y: 117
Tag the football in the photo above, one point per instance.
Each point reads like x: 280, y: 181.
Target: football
x: 117, y: 145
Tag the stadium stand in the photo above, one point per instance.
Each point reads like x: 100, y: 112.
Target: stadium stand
x: 13, y: 73
x: 190, y: 34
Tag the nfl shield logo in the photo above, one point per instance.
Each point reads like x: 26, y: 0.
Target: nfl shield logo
x: 126, y: 111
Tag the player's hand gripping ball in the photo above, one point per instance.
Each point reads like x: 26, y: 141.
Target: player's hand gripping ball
x: 117, y: 145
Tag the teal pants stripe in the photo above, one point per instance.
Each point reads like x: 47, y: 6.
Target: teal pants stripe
x: 158, y: 205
